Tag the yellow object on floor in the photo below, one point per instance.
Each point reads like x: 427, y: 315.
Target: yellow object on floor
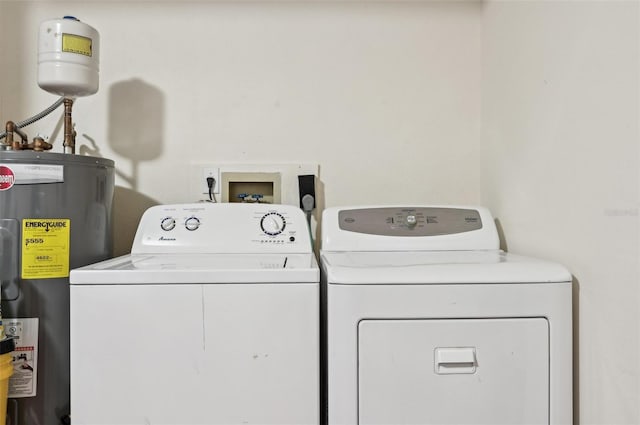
x: 7, y: 346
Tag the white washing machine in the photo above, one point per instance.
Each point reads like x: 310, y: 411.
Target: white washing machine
x: 212, y: 319
x: 428, y: 322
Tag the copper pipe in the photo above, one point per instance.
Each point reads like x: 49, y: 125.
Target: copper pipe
x: 69, y: 134
x: 9, y: 134
x: 15, y: 144
x: 23, y: 135
x: 37, y: 145
x: 40, y: 145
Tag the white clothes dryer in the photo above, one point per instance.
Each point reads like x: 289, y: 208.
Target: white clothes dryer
x: 212, y: 319
x: 427, y: 321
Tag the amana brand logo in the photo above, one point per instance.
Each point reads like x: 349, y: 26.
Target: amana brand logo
x: 7, y: 178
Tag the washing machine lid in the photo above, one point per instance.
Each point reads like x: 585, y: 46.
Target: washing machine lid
x: 200, y: 269
x: 438, y: 267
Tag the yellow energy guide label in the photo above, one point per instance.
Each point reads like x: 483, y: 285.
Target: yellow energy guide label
x: 45, y: 248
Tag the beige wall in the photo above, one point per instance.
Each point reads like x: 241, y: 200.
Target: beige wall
x: 385, y: 97
x: 560, y: 164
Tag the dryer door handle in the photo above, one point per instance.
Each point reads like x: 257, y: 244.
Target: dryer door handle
x: 455, y: 360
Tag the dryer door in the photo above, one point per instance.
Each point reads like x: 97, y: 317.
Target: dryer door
x: 453, y: 371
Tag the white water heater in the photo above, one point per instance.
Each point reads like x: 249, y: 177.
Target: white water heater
x: 68, y: 57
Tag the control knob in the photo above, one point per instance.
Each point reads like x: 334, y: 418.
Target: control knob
x: 168, y: 223
x: 273, y: 223
x: 192, y: 223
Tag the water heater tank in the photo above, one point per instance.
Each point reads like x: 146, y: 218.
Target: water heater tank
x: 55, y: 215
x: 68, y: 57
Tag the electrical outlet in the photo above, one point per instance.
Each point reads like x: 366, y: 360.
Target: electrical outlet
x: 280, y: 181
x: 207, y: 171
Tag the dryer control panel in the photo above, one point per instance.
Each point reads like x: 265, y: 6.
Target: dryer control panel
x: 408, y: 228
x: 222, y: 228
x: 409, y: 221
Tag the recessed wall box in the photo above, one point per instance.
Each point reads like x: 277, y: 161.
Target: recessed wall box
x: 237, y: 184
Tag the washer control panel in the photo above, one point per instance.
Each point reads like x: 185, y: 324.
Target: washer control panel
x: 409, y: 221
x: 223, y: 228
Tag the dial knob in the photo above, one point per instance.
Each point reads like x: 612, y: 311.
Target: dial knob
x: 273, y: 223
x: 168, y: 223
x: 411, y: 220
x: 192, y: 223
